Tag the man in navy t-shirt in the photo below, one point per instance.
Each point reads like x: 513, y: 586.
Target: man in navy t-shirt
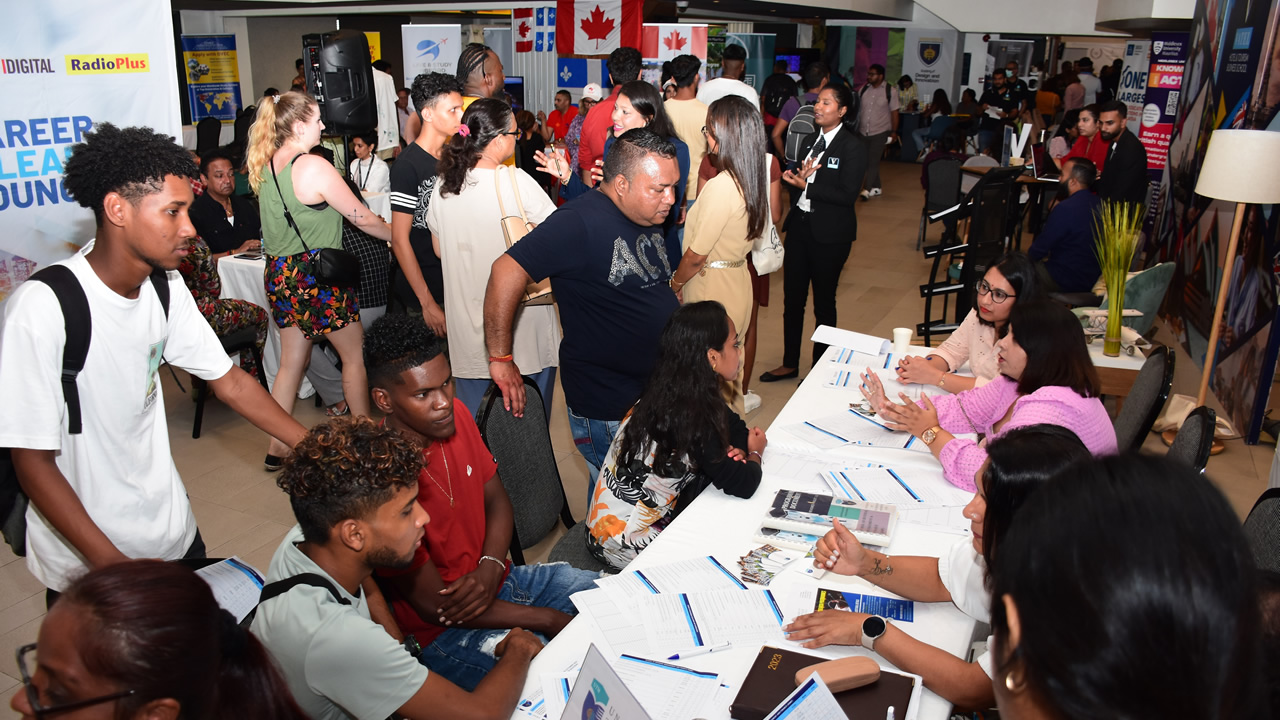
x: 607, y: 259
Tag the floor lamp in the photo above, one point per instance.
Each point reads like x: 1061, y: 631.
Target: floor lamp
x: 1240, y: 166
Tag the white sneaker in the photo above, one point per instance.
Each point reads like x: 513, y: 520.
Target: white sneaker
x: 875, y: 192
x: 750, y: 402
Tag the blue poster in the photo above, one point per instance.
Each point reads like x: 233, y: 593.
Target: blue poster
x: 212, y: 75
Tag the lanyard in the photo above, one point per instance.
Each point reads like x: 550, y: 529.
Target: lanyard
x: 367, y: 172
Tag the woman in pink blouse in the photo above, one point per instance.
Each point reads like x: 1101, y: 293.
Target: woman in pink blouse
x: 1010, y: 280
x: 1046, y: 376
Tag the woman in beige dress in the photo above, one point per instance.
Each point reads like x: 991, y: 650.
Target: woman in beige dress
x: 732, y: 210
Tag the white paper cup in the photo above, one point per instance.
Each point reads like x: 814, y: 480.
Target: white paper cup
x: 901, y: 340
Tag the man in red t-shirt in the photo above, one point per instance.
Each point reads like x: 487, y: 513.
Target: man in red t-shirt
x: 624, y: 66
x: 459, y: 596
x: 555, y: 125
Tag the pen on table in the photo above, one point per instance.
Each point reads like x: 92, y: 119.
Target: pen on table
x: 700, y: 651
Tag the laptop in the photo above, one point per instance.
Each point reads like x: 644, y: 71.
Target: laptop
x: 1042, y: 166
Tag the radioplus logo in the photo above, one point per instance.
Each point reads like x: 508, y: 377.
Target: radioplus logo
x: 26, y: 66
x: 107, y: 64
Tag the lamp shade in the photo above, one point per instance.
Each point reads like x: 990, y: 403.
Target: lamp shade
x: 1241, y: 166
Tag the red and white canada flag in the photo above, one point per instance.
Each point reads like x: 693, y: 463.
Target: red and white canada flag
x: 665, y: 41
x: 596, y: 27
x: 522, y: 29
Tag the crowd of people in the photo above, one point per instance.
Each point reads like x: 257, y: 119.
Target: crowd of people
x: 393, y: 595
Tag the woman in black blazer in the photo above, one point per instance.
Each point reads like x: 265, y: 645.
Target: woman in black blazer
x: 822, y: 226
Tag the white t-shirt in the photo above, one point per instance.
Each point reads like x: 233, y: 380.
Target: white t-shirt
x: 471, y: 238
x: 712, y: 90
x: 338, y: 663
x: 963, y: 574
x: 372, y: 175
x: 120, y: 466
x: 384, y: 95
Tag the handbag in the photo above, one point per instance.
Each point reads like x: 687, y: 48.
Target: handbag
x: 515, y: 227
x: 330, y: 266
x: 767, y: 251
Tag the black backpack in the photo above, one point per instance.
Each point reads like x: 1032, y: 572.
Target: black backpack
x: 800, y: 127
x: 77, y: 320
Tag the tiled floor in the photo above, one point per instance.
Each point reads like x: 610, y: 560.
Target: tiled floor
x: 241, y: 512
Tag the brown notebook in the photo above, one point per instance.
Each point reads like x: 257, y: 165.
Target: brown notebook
x: 773, y: 677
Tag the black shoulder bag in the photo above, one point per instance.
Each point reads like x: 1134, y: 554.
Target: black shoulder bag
x: 330, y: 266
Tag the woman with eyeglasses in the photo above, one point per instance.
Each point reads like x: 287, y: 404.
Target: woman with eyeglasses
x: 467, y: 234
x: 720, y: 232
x: 1010, y: 280
x: 146, y: 639
x: 1046, y: 376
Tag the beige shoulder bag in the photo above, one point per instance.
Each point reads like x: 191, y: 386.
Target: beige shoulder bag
x: 515, y: 227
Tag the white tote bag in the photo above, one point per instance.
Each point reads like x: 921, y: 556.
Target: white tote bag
x: 767, y: 250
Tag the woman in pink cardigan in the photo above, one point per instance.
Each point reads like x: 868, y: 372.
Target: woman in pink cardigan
x: 1046, y: 376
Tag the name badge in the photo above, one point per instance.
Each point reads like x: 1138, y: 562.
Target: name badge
x: 833, y: 163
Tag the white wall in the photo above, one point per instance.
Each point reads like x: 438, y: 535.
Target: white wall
x: 276, y: 43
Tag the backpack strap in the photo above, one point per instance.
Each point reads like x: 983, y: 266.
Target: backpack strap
x: 280, y: 587
x: 76, y: 320
x: 160, y: 281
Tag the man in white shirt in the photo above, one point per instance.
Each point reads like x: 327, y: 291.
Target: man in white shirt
x: 877, y: 124
x: 353, y: 487
x: 1091, y: 83
x: 733, y: 67
x: 112, y: 492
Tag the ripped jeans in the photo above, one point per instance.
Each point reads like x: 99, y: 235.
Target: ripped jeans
x: 464, y: 656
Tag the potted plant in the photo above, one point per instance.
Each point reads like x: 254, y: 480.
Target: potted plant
x: 1116, y: 230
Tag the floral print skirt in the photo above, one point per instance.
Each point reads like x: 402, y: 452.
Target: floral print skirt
x: 299, y: 300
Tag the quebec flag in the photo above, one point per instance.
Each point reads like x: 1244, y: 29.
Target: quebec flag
x: 573, y: 74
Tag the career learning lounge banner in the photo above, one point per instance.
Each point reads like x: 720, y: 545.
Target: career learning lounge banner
x: 430, y: 48
x: 213, y: 77
x: 64, y: 68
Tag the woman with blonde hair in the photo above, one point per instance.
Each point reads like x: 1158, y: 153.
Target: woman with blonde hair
x: 315, y: 195
x: 733, y: 211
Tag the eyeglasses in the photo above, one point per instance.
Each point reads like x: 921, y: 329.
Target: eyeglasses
x: 33, y: 697
x: 997, y: 295
x: 512, y: 133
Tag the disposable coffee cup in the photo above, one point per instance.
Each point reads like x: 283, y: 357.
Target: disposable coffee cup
x: 901, y: 340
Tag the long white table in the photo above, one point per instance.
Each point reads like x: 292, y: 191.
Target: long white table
x: 722, y: 526
x: 242, y: 279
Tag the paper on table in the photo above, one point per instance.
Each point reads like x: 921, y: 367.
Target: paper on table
x: 534, y: 704
x: 802, y: 471
x: 897, y: 486
x: 942, y: 519
x: 555, y: 689
x: 854, y: 427
x: 814, y: 435
x: 811, y: 701
x: 678, y: 620
x: 600, y: 694
x: 694, y: 575
x: 236, y: 585
x: 856, y: 341
x: 621, y: 628
x: 668, y: 691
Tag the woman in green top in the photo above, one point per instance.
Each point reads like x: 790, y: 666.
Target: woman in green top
x: 304, y: 308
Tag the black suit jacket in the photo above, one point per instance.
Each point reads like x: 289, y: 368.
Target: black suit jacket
x: 1124, y: 176
x: 210, y: 221
x: 833, y: 194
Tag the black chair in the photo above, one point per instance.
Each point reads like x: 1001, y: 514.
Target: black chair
x: 527, y: 466
x: 943, y: 192
x: 987, y: 207
x: 572, y: 548
x: 1146, y: 398
x: 208, y: 131
x: 1194, y: 439
x: 1262, y: 528
x: 240, y: 341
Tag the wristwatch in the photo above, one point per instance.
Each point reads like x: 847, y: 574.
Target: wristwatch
x: 930, y: 435
x: 872, y: 628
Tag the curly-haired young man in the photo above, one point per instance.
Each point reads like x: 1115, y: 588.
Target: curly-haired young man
x: 112, y: 491
x: 458, y: 595
x: 353, y: 486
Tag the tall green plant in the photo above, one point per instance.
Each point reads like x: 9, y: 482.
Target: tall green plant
x: 1116, y: 228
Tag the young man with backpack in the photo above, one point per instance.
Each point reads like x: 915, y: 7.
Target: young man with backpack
x: 778, y: 89
x: 101, y: 481
x: 799, y: 110
x: 877, y: 124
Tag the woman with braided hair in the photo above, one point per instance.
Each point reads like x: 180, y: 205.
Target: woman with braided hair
x: 146, y: 639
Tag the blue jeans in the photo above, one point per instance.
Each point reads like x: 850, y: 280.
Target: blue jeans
x: 464, y: 656
x: 592, y: 438
x: 471, y: 391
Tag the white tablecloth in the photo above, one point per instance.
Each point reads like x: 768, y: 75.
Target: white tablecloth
x: 242, y: 279
x: 719, y: 525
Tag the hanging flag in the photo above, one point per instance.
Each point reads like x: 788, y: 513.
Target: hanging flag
x: 597, y: 27
x: 665, y: 41
x: 522, y: 29
x: 573, y: 74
